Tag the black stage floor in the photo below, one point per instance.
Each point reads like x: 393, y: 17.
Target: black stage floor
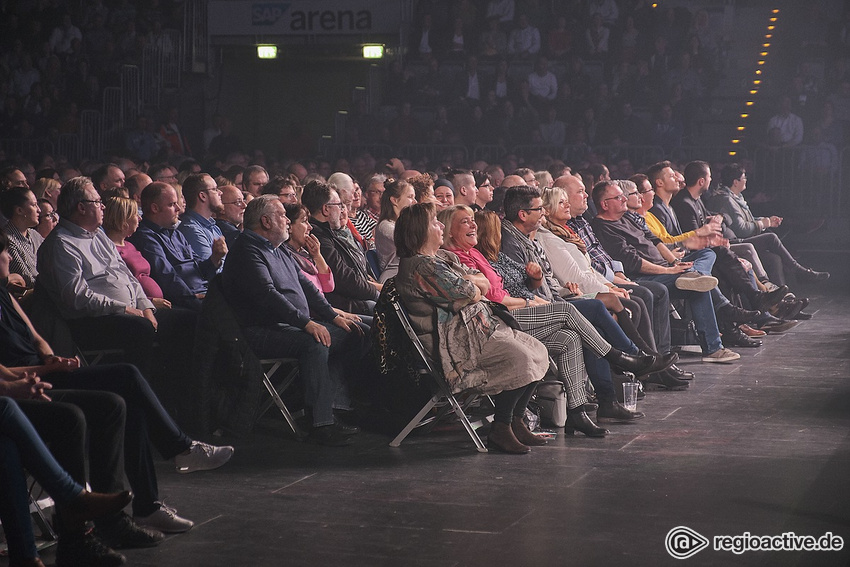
x: 760, y: 446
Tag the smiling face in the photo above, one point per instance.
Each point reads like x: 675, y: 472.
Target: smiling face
x: 445, y: 197
x: 299, y: 229
x: 561, y: 213
x: 464, y: 231
x: 407, y: 198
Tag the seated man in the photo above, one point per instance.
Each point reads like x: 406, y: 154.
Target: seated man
x: 356, y: 291
x: 523, y: 217
x: 728, y: 200
x: 642, y: 260
x: 229, y: 221
x: 284, y: 315
x: 674, y: 205
x: 181, y: 274
x: 203, y: 202
x: 82, y: 273
x: 24, y: 352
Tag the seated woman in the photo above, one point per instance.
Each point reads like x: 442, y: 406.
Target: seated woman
x: 572, y: 268
x: 21, y: 447
x: 306, y: 251
x: 20, y: 206
x: 120, y: 221
x: 476, y: 350
x: 559, y: 326
x: 398, y: 194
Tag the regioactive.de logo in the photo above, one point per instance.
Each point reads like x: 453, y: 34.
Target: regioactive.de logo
x: 683, y: 542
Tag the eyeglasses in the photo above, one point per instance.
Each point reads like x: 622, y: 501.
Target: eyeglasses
x: 632, y: 193
x: 647, y: 191
x: 535, y: 209
x: 239, y: 203
x: 49, y: 215
x: 97, y: 202
x: 618, y: 198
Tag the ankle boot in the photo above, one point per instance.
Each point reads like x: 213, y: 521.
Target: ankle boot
x: 579, y: 421
x: 524, y: 435
x: 502, y: 439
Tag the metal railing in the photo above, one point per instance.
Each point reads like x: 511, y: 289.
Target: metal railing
x: 812, y: 177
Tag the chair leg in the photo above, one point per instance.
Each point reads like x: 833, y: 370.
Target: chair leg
x: 415, y: 422
x: 279, y: 402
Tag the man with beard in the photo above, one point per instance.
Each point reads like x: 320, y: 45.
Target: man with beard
x: 203, y: 203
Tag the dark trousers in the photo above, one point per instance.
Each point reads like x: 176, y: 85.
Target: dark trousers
x: 148, y: 424
x: 657, y: 300
x: 774, y: 256
x: 134, y: 335
x: 21, y: 446
x: 320, y: 368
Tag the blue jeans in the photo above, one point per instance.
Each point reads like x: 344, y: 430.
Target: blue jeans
x: 595, y: 312
x: 320, y: 368
x: 702, y: 309
x: 21, y: 447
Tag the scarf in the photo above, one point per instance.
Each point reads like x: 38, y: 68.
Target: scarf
x: 566, y: 234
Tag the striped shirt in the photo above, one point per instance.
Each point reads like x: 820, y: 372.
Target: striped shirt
x: 23, y: 250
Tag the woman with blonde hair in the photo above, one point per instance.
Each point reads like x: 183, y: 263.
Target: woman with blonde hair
x: 572, y: 270
x: 120, y: 221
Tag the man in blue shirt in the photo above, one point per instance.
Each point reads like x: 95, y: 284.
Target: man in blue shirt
x: 181, y: 274
x: 284, y: 315
x: 203, y: 202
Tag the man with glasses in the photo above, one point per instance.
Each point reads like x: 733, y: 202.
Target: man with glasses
x: 81, y: 272
x: 229, y: 221
x: 644, y: 259
x: 203, y: 202
x: 367, y: 218
x: 728, y: 200
x: 356, y: 291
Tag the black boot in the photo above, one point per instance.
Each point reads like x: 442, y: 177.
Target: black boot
x: 642, y: 363
x: 615, y: 411
x: 665, y: 381
x: 764, y: 300
x: 811, y: 275
x: 733, y: 314
x: 577, y: 420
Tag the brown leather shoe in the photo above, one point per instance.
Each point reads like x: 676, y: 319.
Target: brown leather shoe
x: 502, y: 439
x: 94, y: 505
x: 750, y: 332
x: 524, y: 435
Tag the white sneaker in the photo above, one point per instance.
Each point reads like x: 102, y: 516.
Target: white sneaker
x: 165, y: 519
x: 202, y: 457
x: 722, y: 355
x: 695, y: 281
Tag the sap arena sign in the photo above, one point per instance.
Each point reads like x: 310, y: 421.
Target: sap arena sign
x: 304, y: 17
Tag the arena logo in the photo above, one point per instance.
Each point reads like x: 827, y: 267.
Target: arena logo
x: 267, y: 14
